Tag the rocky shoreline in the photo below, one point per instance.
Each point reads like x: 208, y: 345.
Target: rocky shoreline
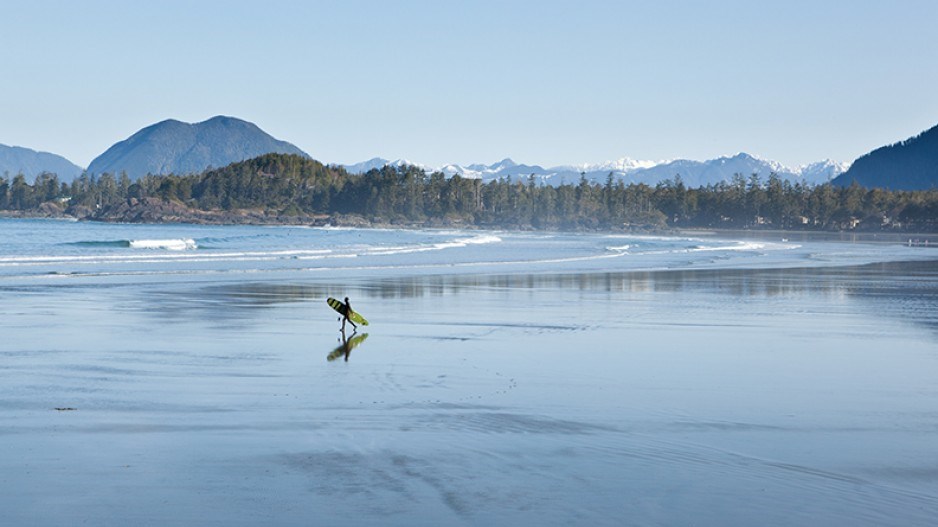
x: 156, y: 210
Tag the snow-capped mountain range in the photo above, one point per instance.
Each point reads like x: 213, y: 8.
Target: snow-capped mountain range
x: 693, y: 173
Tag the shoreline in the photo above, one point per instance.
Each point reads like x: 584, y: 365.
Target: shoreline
x: 263, y: 218
x: 913, y: 239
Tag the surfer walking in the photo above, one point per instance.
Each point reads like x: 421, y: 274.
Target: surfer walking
x: 348, y: 315
x: 345, y: 316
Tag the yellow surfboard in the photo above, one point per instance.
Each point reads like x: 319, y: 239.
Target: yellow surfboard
x: 347, y: 347
x: 339, y: 306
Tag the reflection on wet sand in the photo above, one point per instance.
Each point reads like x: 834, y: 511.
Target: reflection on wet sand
x: 257, y: 294
x: 346, y: 347
x: 738, y: 388
x: 906, y: 290
x: 837, y: 281
x: 903, y: 290
x: 742, y: 282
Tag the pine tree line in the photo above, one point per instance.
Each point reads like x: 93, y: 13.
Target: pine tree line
x: 295, y: 186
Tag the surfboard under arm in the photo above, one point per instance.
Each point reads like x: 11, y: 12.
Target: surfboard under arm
x: 339, y: 306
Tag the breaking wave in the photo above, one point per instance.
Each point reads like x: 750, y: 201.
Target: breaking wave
x: 183, y: 250
x: 107, y: 243
x: 618, y: 248
x: 171, y: 245
x: 181, y: 244
x: 481, y: 239
x: 744, y: 246
x: 200, y: 250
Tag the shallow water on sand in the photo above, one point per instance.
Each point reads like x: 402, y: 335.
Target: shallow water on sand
x: 798, y: 396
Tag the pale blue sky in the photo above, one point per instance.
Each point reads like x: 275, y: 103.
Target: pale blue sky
x: 440, y: 81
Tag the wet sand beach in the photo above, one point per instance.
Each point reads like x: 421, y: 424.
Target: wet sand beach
x: 702, y: 397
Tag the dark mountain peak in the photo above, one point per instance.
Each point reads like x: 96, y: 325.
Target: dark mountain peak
x: 168, y: 122
x: 174, y: 126
x: 911, y: 164
x: 223, y: 119
x: 929, y: 136
x: 160, y: 127
x: 176, y: 147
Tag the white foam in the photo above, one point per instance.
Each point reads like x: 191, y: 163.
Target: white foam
x: 738, y: 246
x: 479, y: 240
x: 201, y: 256
x: 172, y: 245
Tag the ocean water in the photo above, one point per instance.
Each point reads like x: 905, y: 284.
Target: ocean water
x: 194, y: 375
x: 37, y: 251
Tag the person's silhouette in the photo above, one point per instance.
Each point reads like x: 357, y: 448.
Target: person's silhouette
x: 346, y: 345
x: 346, y: 315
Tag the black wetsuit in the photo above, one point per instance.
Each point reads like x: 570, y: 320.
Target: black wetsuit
x: 348, y: 311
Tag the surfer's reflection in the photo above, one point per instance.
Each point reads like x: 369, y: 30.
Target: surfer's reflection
x: 348, y: 344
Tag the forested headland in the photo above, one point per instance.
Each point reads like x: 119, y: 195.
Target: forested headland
x: 280, y: 188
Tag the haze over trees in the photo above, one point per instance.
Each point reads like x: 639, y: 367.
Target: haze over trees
x: 291, y: 186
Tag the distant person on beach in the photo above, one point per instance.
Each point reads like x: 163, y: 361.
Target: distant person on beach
x: 345, y: 317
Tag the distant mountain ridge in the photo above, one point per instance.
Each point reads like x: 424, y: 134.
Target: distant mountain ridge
x: 175, y: 147
x: 18, y: 160
x: 693, y: 173
x: 907, y: 165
